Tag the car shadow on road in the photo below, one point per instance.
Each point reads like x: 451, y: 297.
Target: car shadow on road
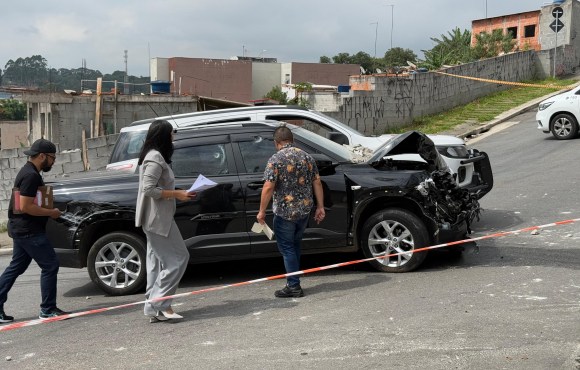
x: 494, y: 220
x: 504, y: 252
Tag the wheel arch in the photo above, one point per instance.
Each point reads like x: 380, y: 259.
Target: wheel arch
x: 100, y: 224
x: 377, y: 204
x: 551, y: 122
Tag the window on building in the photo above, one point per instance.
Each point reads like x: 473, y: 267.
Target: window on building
x: 530, y: 31
x: 513, y: 31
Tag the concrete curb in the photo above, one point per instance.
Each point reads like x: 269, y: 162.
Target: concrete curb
x: 5, y: 251
x: 507, y: 115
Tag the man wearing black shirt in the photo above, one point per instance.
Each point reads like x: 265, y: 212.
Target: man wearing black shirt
x: 27, y: 228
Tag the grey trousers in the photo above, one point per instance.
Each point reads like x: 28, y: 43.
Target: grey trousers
x: 167, y: 259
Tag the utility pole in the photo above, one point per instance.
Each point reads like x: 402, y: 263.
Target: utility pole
x: 125, y: 84
x: 376, y: 32
x: 392, y: 21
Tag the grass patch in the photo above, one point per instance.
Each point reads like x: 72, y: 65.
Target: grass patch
x: 481, y: 110
x: 3, y: 227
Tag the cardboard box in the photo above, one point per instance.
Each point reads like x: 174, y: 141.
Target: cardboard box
x: 44, y: 198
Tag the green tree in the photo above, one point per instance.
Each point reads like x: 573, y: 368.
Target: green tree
x: 325, y: 59
x: 489, y: 45
x: 364, y: 60
x: 398, y: 57
x: 342, y: 58
x: 12, y: 110
x: 277, y: 94
x: 33, y: 72
x: 30, y: 72
x: 361, y: 58
x: 453, y: 48
x: 300, y: 88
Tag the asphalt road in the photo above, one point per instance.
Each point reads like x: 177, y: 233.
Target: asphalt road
x: 514, y: 305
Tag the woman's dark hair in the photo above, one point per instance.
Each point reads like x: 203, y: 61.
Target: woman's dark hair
x: 158, y: 138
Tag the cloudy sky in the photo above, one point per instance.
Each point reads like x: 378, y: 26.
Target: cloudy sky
x: 65, y: 32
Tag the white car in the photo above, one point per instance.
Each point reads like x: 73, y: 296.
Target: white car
x: 458, y: 158
x: 559, y: 114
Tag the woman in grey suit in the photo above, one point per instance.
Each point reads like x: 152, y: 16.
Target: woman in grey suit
x: 167, y: 255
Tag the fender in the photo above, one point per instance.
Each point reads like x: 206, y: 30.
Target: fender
x: 80, y: 216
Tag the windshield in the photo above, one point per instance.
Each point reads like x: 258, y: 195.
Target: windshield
x: 337, y: 123
x: 339, y: 151
x: 128, y: 146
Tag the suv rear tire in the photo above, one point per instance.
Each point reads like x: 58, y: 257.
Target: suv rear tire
x: 116, y: 263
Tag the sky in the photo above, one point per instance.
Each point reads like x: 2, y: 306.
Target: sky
x: 66, y: 32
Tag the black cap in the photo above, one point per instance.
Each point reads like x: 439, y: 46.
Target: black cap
x: 41, y: 146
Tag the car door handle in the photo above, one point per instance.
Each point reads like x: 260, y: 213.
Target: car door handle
x: 256, y: 185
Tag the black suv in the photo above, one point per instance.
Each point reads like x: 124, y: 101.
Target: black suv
x: 380, y: 206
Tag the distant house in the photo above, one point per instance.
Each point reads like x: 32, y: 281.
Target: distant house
x: 523, y: 27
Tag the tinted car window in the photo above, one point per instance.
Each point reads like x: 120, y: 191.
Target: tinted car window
x: 314, y: 126
x: 336, y: 151
x: 256, y: 153
x: 209, y: 160
x: 128, y: 146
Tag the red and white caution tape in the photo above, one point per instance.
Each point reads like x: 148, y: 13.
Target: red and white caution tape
x: 23, y: 324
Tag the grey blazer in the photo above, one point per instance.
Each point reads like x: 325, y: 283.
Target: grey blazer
x: 154, y: 213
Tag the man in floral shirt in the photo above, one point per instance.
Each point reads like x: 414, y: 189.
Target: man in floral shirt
x: 291, y: 176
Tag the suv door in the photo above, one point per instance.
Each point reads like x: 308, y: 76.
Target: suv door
x: 213, y: 224
x: 253, y: 151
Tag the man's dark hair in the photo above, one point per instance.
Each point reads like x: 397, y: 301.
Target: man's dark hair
x: 283, y: 133
x: 158, y: 138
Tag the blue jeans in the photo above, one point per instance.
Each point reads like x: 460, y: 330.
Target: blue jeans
x: 288, y: 237
x: 35, y: 247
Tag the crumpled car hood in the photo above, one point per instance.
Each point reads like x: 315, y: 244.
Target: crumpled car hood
x: 411, y: 142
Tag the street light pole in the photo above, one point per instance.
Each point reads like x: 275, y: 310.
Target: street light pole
x: 392, y: 21
x: 376, y: 32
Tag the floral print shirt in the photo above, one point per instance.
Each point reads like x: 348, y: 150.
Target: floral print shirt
x: 293, y: 170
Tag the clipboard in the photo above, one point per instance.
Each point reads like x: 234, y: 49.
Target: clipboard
x: 44, y: 198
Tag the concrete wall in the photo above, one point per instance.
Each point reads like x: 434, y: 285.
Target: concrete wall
x: 68, y: 162
x: 286, y: 73
x: 567, y: 58
x: 216, y: 78
x: 264, y: 77
x: 547, y: 35
x: 62, y: 118
x: 377, y: 102
x: 159, y: 69
x: 13, y: 134
x: 323, y: 73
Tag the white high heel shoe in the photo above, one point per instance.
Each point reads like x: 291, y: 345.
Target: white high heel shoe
x: 170, y: 315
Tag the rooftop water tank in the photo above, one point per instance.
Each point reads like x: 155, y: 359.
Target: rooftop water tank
x: 160, y: 87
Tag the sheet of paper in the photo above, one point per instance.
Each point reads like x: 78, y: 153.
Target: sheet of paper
x: 259, y: 228
x: 201, y: 183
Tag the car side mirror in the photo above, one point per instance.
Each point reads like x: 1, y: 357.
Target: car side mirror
x: 337, y: 137
x: 324, y: 164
